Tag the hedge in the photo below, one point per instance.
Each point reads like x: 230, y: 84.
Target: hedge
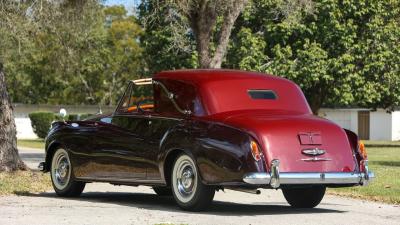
x: 41, y: 121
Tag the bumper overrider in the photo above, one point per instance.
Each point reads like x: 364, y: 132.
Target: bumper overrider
x: 275, y: 178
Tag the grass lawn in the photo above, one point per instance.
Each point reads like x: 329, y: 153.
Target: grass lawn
x: 36, y: 143
x: 24, y: 182
x: 385, y: 163
x: 382, y: 143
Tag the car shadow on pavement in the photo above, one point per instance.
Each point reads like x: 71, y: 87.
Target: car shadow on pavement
x: 155, y: 202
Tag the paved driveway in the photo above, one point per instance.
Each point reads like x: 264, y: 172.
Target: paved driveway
x: 31, y: 156
x: 108, y: 204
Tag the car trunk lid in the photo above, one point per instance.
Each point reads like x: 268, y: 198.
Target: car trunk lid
x: 302, y: 142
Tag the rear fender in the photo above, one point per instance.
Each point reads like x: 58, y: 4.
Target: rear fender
x: 353, y: 140
x: 222, y: 154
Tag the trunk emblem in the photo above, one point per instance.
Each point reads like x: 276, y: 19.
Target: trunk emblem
x: 313, y: 151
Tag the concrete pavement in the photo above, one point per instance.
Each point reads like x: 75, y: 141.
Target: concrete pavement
x: 107, y: 204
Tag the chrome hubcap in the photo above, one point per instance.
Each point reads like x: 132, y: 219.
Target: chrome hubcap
x: 185, y: 179
x: 61, y: 169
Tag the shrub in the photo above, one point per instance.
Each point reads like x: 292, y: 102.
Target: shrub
x: 84, y: 116
x: 78, y: 116
x: 72, y: 117
x: 41, y: 122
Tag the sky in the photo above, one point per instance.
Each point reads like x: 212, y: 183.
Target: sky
x: 126, y: 3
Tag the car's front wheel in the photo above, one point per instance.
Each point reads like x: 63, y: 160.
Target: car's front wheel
x: 62, y: 178
x: 307, y: 197
x: 188, y: 190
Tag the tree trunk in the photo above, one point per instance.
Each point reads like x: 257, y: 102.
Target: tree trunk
x: 203, y: 20
x: 9, y: 158
x: 230, y: 18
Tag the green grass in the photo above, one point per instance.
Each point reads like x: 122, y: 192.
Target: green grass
x: 24, y: 182
x: 36, y: 143
x: 385, y: 163
x: 382, y: 143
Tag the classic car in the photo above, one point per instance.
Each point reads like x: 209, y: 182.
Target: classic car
x: 189, y: 133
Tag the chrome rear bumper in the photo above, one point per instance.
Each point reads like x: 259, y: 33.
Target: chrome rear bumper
x: 275, y: 178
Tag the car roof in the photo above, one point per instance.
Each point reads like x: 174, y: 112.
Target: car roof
x: 207, y: 75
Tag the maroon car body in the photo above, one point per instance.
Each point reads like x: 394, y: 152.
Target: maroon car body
x: 242, y: 130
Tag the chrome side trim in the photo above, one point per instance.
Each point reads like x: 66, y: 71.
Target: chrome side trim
x: 275, y: 178
x: 314, y: 159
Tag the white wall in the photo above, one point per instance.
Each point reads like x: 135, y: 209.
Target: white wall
x: 396, y: 126
x: 24, y: 129
x: 346, y: 118
x: 380, y: 126
x: 383, y: 125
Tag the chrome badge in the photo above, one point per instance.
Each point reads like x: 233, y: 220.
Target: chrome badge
x: 313, y: 151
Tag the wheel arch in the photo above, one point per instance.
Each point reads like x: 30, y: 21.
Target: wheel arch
x: 51, y: 148
x: 168, y: 164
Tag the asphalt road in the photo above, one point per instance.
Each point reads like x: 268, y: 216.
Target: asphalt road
x: 108, y: 204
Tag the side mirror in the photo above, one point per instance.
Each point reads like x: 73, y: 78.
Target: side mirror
x: 63, y: 113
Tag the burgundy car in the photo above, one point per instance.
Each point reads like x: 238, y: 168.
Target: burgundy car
x: 189, y: 133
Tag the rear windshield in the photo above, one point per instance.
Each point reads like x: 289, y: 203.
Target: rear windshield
x: 262, y: 94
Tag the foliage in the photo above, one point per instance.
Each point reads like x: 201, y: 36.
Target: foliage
x: 166, y: 44
x: 68, y: 53
x: 41, y: 122
x: 78, y: 116
x: 343, y: 53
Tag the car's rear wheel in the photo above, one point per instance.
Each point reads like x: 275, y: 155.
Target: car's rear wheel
x: 188, y: 190
x: 163, y: 191
x: 307, y: 197
x: 62, y: 177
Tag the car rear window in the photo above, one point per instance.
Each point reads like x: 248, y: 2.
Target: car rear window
x: 262, y: 94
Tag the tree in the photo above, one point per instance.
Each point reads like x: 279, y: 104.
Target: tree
x: 166, y: 43
x: 68, y: 52
x: 9, y: 158
x: 124, y: 52
x: 342, y: 53
x: 210, y: 22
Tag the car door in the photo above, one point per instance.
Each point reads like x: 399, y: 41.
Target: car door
x: 158, y: 128
x: 121, y: 143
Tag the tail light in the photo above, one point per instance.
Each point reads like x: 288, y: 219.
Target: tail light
x: 361, y: 148
x: 255, y: 150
